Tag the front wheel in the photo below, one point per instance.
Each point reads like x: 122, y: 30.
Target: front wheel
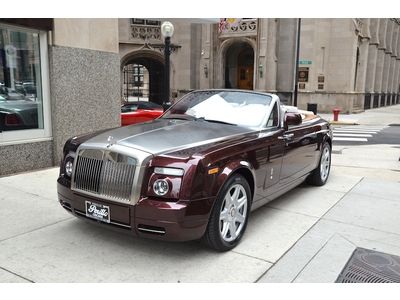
x: 230, y: 214
x: 320, y: 175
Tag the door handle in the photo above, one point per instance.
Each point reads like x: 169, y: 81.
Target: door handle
x: 286, y: 137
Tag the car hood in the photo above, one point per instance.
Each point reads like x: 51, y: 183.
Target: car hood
x: 166, y: 135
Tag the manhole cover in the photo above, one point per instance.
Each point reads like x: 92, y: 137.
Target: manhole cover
x: 370, y: 266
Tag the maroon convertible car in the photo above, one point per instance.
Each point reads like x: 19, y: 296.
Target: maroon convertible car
x: 198, y: 171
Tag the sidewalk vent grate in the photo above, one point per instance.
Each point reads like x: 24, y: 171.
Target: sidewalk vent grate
x: 369, y: 266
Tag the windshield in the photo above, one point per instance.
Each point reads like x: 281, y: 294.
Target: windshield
x: 232, y: 107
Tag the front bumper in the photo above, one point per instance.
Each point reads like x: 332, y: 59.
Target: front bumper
x: 150, y: 218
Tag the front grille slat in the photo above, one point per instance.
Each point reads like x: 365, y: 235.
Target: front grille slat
x: 107, y: 178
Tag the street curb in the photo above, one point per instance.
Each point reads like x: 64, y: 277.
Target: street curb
x: 342, y: 123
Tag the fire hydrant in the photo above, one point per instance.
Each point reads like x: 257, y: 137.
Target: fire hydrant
x: 336, y: 114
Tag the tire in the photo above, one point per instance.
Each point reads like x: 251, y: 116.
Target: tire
x: 320, y: 175
x: 228, y: 219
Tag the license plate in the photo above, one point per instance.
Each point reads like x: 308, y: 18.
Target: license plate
x: 98, y: 211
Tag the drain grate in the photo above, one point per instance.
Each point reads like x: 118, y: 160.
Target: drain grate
x: 370, y: 266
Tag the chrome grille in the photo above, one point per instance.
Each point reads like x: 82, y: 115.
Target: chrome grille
x: 106, y: 174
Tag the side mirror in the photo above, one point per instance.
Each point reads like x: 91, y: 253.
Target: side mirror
x: 166, y: 105
x: 292, y: 119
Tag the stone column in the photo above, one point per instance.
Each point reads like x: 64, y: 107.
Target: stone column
x: 381, y: 57
x: 392, y: 71
x: 271, y: 57
x: 396, y: 82
x: 262, y: 64
x: 397, y: 77
x: 372, y: 57
x: 387, y: 63
x: 205, y: 69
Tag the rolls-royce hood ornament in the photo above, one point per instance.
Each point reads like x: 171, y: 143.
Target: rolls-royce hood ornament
x: 110, y: 141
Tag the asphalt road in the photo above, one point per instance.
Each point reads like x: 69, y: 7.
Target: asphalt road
x: 366, y: 135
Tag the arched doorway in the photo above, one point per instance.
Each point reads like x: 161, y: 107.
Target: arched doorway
x: 239, y: 66
x: 136, y: 83
x: 142, y: 76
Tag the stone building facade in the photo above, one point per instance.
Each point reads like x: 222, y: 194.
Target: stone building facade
x: 70, y: 75
x: 355, y: 63
x: 72, y: 68
x: 352, y: 64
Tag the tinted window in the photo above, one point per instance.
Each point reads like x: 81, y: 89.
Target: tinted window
x: 149, y: 105
x: 129, y: 108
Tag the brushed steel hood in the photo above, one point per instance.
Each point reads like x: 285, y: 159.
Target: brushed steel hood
x: 165, y: 135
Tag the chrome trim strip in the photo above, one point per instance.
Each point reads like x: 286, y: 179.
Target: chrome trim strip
x: 78, y: 212
x: 151, y: 230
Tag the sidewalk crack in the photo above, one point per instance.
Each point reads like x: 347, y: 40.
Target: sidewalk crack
x: 35, y: 229
x: 20, y: 276
x: 319, y: 219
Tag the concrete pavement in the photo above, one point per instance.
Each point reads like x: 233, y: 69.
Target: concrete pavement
x: 306, y: 235
x: 308, y: 230
x: 40, y: 242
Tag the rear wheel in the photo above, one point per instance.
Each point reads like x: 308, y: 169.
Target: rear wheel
x: 230, y: 214
x: 320, y: 175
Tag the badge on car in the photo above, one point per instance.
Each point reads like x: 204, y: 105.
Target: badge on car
x: 97, y: 211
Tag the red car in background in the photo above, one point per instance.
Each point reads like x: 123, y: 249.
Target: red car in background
x: 139, y: 111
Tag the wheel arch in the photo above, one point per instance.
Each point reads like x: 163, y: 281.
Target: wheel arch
x: 242, y: 168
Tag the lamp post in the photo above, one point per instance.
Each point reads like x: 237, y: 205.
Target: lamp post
x: 167, y: 30
x: 296, y: 67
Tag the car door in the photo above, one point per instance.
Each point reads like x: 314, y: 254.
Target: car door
x: 269, y: 156
x: 301, y: 149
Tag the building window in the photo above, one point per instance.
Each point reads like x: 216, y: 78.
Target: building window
x: 24, y: 103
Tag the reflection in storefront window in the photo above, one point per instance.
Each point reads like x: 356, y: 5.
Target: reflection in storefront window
x: 21, y: 104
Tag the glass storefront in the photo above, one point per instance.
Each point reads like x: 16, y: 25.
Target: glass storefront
x: 21, y: 105
x: 24, y: 107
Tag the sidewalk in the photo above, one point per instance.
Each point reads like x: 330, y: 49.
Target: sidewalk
x: 306, y: 235
x: 365, y: 216
x: 377, y: 116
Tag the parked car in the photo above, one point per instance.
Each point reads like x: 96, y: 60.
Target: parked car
x: 198, y: 171
x: 17, y: 112
x: 139, y: 112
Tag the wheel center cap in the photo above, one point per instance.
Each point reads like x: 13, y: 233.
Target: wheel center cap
x: 232, y: 212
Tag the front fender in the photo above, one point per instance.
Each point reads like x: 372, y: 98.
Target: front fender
x: 241, y: 167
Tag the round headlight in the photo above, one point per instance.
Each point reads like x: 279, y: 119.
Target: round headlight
x: 160, y: 187
x: 68, y: 168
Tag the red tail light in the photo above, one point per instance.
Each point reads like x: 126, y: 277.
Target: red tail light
x: 12, y: 120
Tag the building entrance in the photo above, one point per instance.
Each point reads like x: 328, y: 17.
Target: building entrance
x: 239, y: 67
x: 143, y: 79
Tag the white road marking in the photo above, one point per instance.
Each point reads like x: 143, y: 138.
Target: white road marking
x: 350, y: 139
x: 361, y: 128
x: 353, y: 131
x: 353, y: 135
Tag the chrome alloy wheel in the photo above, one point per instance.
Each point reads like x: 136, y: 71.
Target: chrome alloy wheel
x: 233, y: 213
x: 325, y: 163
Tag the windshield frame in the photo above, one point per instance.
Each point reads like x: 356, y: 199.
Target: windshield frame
x: 262, y: 126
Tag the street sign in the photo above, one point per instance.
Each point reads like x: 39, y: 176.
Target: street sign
x: 305, y: 62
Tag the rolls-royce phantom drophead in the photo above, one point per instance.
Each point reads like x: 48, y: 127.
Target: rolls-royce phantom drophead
x: 197, y: 171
